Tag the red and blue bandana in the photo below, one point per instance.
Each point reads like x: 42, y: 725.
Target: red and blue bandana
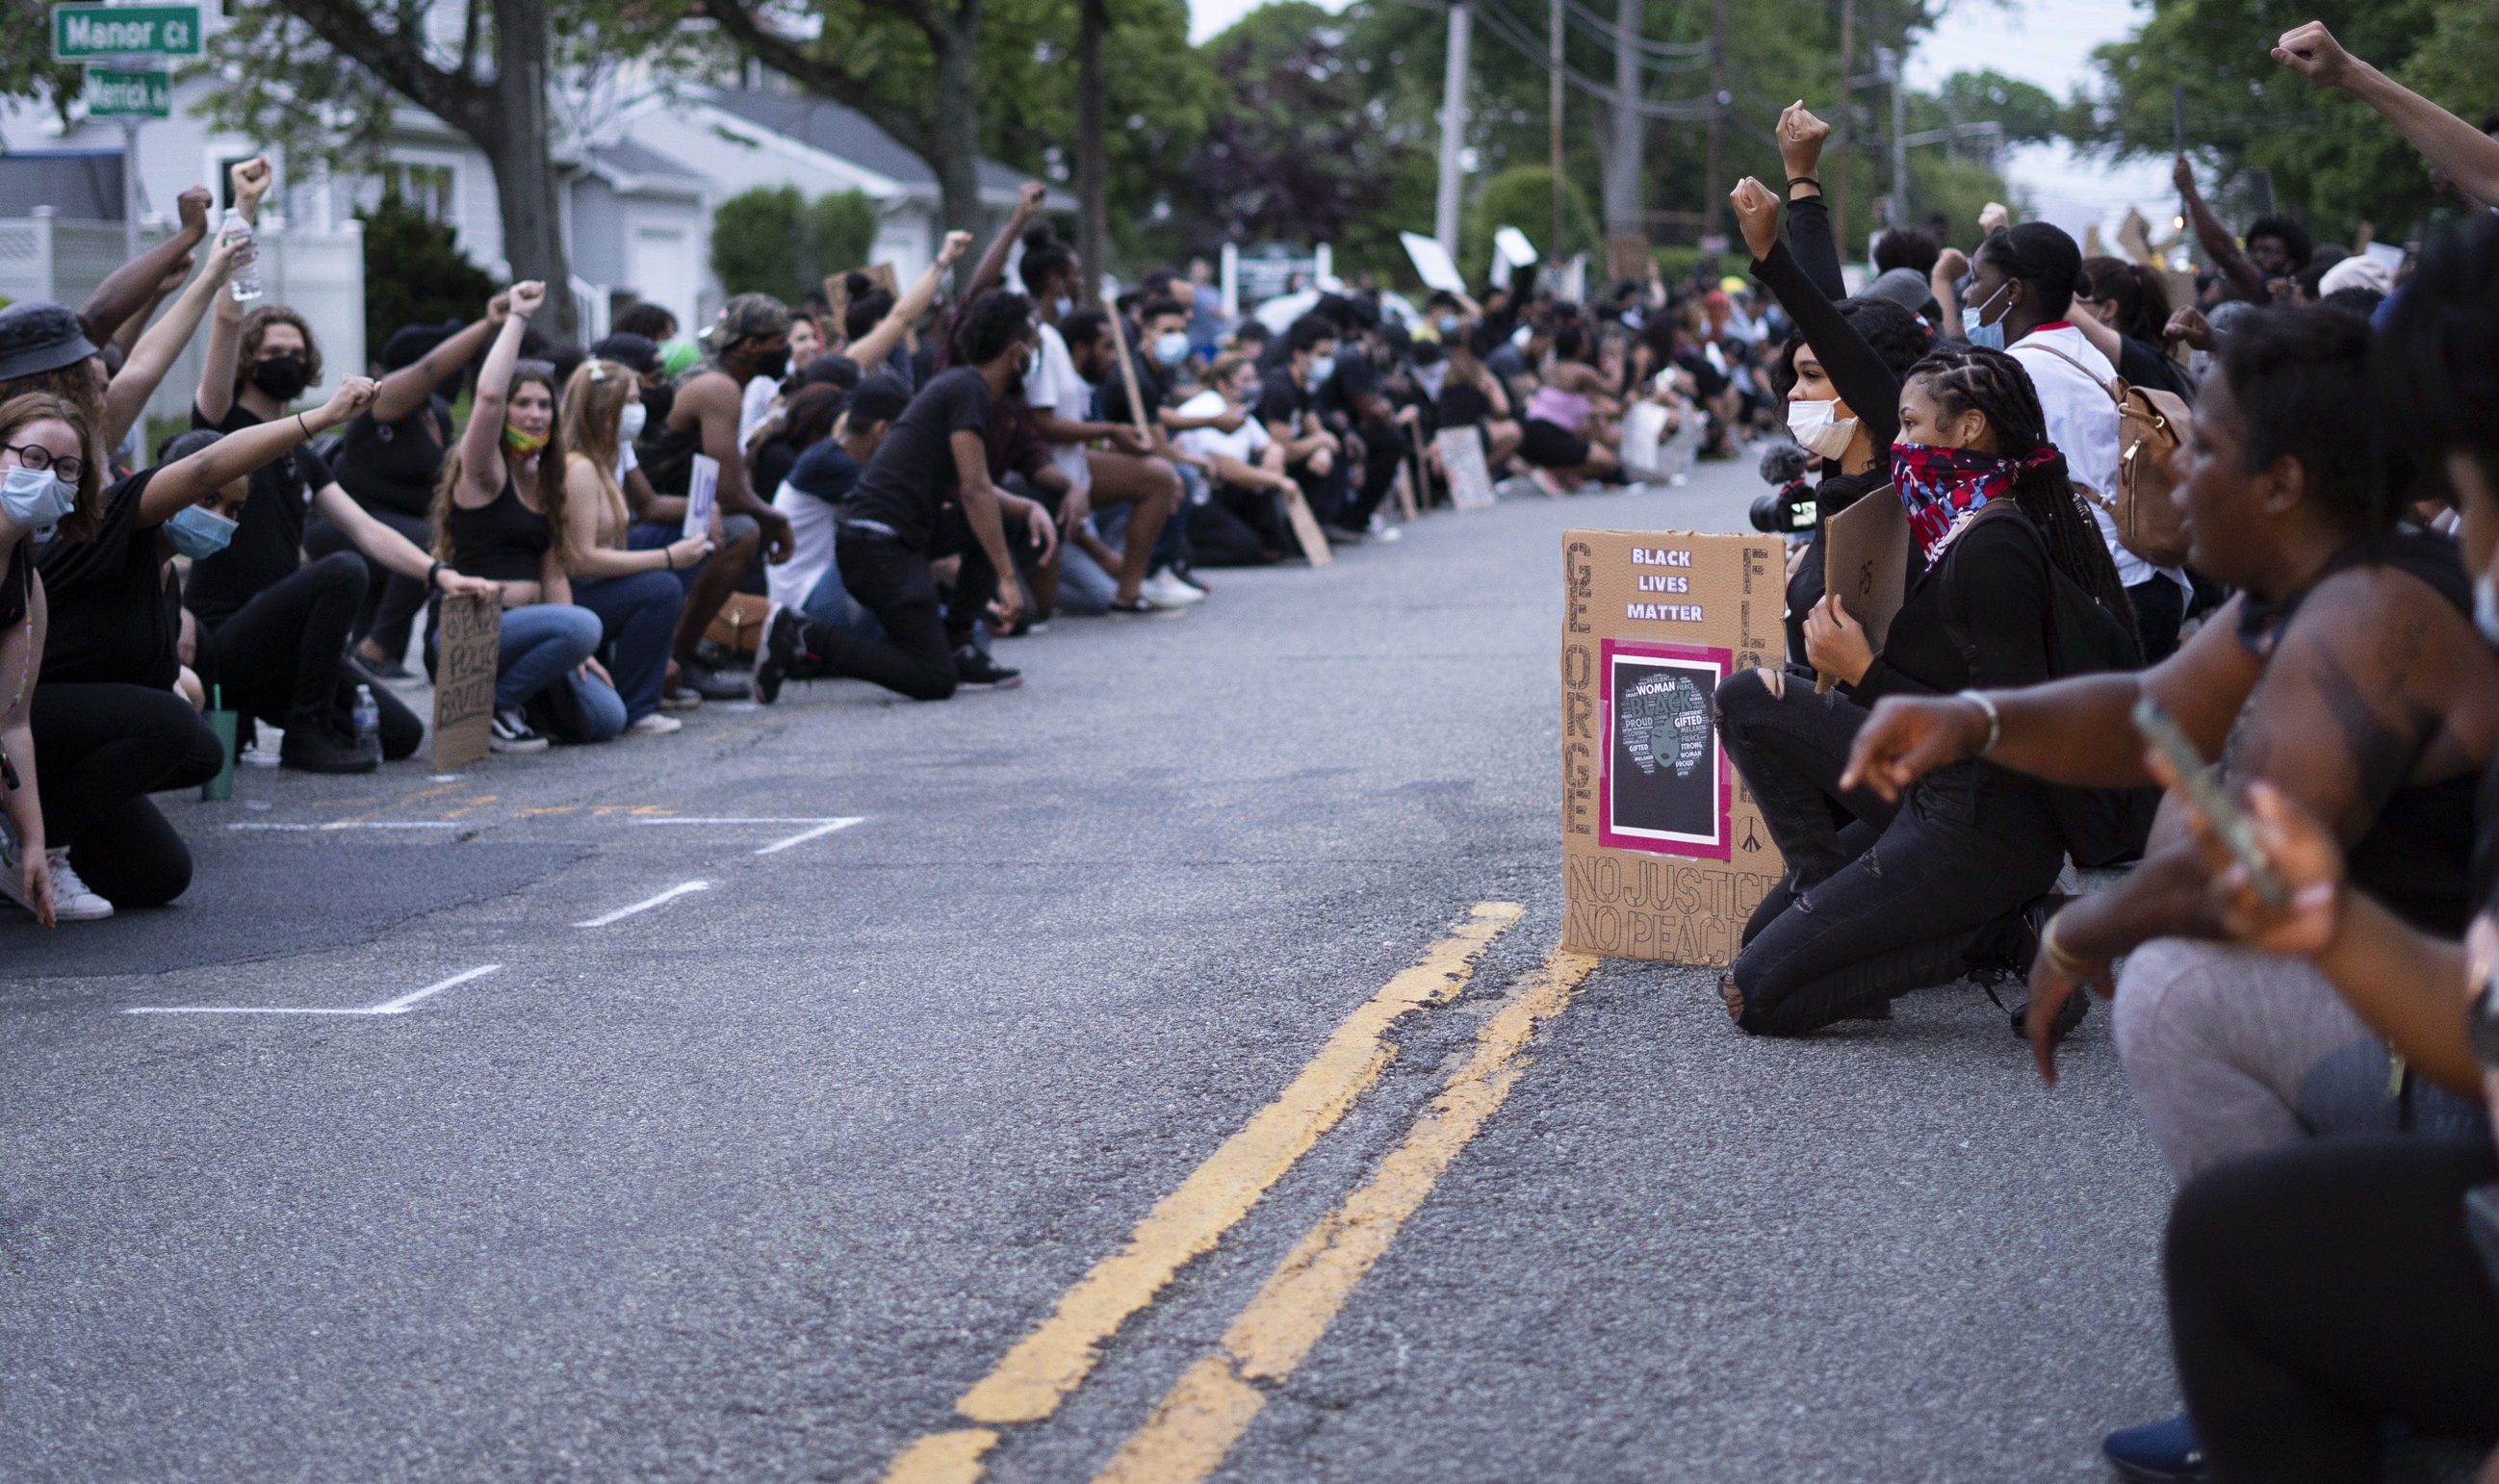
x: 1941, y: 487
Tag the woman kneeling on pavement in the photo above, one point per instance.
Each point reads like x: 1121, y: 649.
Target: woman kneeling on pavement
x: 499, y: 514
x: 633, y: 591
x: 1919, y: 890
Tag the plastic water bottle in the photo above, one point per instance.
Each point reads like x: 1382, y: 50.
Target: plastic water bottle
x: 368, y: 715
x: 246, y: 283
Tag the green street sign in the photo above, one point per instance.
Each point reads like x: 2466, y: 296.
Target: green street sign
x: 128, y: 94
x: 83, y: 31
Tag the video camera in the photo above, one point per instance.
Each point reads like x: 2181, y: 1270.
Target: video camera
x: 1789, y: 509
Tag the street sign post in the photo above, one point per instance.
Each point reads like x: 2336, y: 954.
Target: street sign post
x: 114, y: 94
x: 85, y: 33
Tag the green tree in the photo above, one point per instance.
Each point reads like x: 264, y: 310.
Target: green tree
x: 1522, y: 197
x: 2331, y: 160
x: 757, y: 237
x: 415, y: 272
x: 841, y: 229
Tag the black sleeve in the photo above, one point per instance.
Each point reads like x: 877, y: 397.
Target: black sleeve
x: 1865, y: 382
x: 969, y: 409
x: 2145, y: 367
x: 1816, y: 251
x: 1278, y: 399
x: 312, y: 468
x: 1998, y: 597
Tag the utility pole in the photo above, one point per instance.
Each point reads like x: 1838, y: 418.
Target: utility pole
x: 1715, y: 171
x: 1554, y: 115
x: 1453, y: 128
x: 1835, y: 158
x: 1624, y: 220
x: 1896, y: 211
x: 1092, y: 147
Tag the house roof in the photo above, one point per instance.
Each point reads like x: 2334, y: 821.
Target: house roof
x: 630, y: 165
x: 851, y: 135
x: 84, y: 184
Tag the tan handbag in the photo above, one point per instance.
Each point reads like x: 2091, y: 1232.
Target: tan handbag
x: 2150, y: 427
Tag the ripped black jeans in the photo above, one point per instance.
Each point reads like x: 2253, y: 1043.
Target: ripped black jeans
x: 1878, y: 899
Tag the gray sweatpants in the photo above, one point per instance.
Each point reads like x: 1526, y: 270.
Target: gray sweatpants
x: 2232, y: 1052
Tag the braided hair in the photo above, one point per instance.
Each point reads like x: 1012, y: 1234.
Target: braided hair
x: 1965, y: 378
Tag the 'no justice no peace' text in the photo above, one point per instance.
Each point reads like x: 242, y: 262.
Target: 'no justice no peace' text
x: 1663, y: 582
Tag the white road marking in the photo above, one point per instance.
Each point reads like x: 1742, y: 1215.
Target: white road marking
x: 826, y: 828
x: 748, y: 818
x: 398, y: 1007
x: 348, y: 824
x: 669, y: 895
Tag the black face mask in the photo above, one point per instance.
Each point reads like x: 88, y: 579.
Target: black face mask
x: 282, y: 377
x: 655, y: 403
x: 775, y: 366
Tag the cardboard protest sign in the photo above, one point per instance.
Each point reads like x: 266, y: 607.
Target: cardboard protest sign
x: 1462, y: 454
x: 702, y: 487
x: 1644, y: 442
x: 469, y: 639
x: 1866, y: 563
x: 1663, y: 853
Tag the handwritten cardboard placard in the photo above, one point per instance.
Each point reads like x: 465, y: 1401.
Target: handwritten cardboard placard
x: 702, y: 488
x: 1663, y: 853
x: 467, y: 643
x: 1866, y: 564
x: 1462, y: 454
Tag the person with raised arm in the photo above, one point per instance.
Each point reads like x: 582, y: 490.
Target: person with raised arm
x: 390, y: 459
x: 499, y: 514
x: 2466, y: 157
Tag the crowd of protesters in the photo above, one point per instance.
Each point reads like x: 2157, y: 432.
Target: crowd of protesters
x: 2270, y: 513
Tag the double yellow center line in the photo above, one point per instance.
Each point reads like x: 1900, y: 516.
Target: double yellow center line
x: 1206, y: 1411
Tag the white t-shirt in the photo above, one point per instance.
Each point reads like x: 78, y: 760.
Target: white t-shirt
x: 1054, y: 387
x: 755, y: 405
x: 2083, y: 423
x: 1244, y: 442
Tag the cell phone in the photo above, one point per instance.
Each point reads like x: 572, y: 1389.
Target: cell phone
x: 2201, y: 782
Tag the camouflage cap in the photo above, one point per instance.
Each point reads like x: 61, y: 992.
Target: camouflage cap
x: 747, y: 316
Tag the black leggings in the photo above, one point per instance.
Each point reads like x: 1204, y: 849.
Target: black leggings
x: 278, y: 657
x: 103, y: 748
x: 1902, y: 898
x: 891, y: 581
x: 388, y: 613
x: 2320, y: 1290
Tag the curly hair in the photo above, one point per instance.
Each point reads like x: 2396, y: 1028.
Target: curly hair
x: 1890, y: 331
x: 255, y: 328
x: 30, y: 408
x: 995, y: 321
x: 2434, y: 371
x: 1966, y: 378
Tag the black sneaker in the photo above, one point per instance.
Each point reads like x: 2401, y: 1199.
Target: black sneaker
x: 2156, y: 1453
x: 710, y: 684
x: 311, y: 747
x: 386, y: 673
x: 784, y: 653
x: 973, y: 668
x: 512, y: 732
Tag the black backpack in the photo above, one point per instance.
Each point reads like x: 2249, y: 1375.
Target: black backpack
x: 2101, y: 826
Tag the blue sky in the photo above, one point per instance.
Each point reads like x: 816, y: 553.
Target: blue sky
x: 2046, y: 41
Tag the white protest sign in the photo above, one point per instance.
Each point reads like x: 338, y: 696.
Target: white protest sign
x: 1431, y: 263
x: 1462, y: 454
x: 703, y: 486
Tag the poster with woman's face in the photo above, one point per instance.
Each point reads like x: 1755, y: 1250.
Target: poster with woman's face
x: 1665, y: 786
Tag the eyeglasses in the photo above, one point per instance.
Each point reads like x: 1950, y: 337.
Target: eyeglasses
x: 37, y: 456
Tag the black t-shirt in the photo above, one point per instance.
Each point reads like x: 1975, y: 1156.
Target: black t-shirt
x: 113, y: 614
x: 1355, y: 378
x: 1280, y: 399
x: 393, y: 466
x: 17, y: 588
x: 772, y: 464
x: 269, y: 541
x: 1112, y: 396
x: 911, y: 476
x: 826, y: 471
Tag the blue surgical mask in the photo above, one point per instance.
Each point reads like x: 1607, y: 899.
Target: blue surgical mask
x: 1448, y: 325
x: 196, y: 531
x: 1985, y: 337
x: 1171, y: 347
x: 34, y: 499
x: 2485, y: 606
x: 1062, y: 305
x: 1321, y: 368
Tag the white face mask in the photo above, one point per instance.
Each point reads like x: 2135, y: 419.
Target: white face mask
x: 2485, y: 606
x: 35, y: 498
x: 1321, y: 368
x: 1823, y: 435
x: 630, y: 422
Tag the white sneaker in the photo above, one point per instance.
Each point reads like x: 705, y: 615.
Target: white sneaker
x: 71, y: 901
x: 1165, y: 591
x: 659, y: 724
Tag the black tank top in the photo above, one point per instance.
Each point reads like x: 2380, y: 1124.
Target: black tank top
x: 501, y: 540
x: 2417, y: 859
x: 666, y: 456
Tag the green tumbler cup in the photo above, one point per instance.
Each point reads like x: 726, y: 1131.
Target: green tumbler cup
x: 222, y: 723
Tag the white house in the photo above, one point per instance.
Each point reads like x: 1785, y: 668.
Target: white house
x: 639, y: 188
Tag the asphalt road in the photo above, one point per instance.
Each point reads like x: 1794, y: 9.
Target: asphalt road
x: 757, y: 1183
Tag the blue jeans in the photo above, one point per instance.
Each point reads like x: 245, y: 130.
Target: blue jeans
x: 831, y: 605
x: 637, y: 615
x: 651, y: 535
x: 543, y: 643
